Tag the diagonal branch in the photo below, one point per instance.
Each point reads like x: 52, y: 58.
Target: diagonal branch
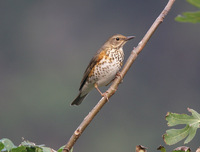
x: 112, y: 89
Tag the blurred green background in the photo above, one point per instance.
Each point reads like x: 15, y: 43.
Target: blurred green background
x: 45, y: 47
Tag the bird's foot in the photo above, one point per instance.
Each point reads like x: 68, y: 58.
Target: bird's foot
x: 105, y: 95
x: 102, y: 94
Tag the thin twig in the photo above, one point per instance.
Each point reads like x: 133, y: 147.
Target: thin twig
x: 112, y: 89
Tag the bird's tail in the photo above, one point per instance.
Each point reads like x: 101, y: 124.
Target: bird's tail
x: 78, y: 99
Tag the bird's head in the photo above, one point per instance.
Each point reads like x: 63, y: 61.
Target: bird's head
x: 118, y: 40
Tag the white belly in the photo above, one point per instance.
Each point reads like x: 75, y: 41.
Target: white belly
x: 108, y: 74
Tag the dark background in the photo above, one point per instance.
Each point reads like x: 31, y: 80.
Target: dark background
x: 45, y: 47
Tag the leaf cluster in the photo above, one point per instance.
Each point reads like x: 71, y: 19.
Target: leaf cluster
x: 190, y: 17
x: 7, y: 145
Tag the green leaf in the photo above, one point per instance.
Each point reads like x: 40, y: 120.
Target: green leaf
x: 192, y: 122
x: 30, y: 144
x: 61, y: 149
x: 71, y: 150
x: 194, y: 113
x: 8, y: 145
x: 191, y: 17
x: 19, y: 149
x: 26, y: 146
x: 194, y: 2
x: 34, y: 149
x: 46, y: 149
x: 1, y: 146
x: 175, y: 119
x: 173, y: 136
x: 161, y: 148
x: 192, y: 133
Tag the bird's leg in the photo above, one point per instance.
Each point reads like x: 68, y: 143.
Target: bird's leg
x: 96, y: 86
x: 102, y: 94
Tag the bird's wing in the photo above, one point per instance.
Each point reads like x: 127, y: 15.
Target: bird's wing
x: 99, y: 55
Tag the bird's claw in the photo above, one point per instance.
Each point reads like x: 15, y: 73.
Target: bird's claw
x: 105, y: 95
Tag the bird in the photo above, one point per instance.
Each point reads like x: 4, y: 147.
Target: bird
x: 103, y: 67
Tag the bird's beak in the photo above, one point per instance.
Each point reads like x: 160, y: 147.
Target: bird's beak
x: 129, y: 37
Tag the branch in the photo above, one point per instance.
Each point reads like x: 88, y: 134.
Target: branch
x: 112, y: 89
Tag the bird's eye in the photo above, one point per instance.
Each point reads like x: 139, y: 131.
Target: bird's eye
x: 117, y: 39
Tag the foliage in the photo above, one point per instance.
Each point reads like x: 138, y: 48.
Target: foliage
x: 178, y: 149
x: 191, y: 17
x: 6, y: 145
x: 192, y: 122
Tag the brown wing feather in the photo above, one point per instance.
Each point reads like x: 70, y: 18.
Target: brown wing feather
x: 99, y: 55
